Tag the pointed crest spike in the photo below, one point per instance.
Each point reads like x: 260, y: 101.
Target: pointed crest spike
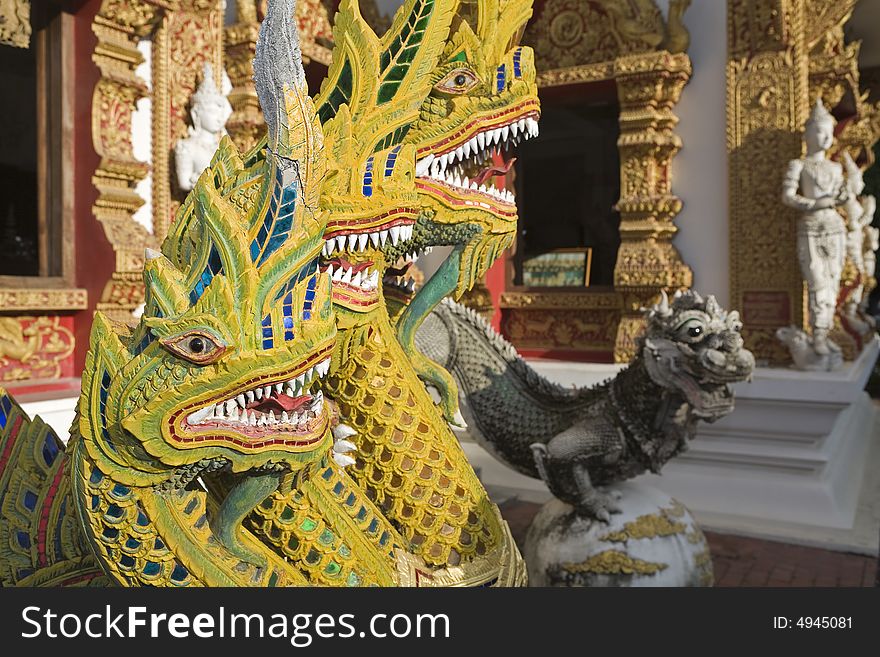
x: 278, y: 64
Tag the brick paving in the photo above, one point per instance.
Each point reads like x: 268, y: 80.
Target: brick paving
x: 743, y: 561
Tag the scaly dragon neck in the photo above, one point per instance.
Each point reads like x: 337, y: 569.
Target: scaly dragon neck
x: 644, y: 412
x: 409, y: 462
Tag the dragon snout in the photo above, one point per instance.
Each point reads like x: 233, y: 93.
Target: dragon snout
x: 728, y: 364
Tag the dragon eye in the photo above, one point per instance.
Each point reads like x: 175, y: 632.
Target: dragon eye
x: 197, y: 347
x: 457, y: 82
x: 692, y: 330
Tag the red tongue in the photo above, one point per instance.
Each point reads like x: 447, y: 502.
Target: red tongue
x: 280, y: 403
x: 494, y: 171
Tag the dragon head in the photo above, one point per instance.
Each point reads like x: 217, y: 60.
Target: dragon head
x: 368, y: 102
x: 694, y: 346
x: 238, y: 324
x: 483, y: 101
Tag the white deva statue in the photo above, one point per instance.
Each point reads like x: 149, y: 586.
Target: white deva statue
x: 210, y: 112
x: 860, y: 244
x: 815, y: 186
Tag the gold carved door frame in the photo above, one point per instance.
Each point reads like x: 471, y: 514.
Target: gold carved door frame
x: 629, y: 43
x: 185, y: 34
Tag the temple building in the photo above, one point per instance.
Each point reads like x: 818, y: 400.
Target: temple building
x: 666, y: 130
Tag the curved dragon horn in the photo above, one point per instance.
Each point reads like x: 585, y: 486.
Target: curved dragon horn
x: 278, y: 71
x: 662, y: 309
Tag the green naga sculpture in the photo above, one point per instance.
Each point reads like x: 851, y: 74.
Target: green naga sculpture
x: 407, y: 460
x: 484, y: 102
x: 215, y: 389
x: 204, y: 452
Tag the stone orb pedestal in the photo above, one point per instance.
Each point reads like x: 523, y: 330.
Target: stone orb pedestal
x: 654, y: 542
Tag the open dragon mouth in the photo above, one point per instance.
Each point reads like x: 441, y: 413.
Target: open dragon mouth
x: 358, y: 240
x: 396, y: 278
x: 470, y: 165
x: 358, y: 277
x: 286, y: 410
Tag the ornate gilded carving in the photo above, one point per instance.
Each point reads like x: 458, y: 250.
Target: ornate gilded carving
x: 185, y: 41
x: 118, y: 27
x: 15, y: 23
x: 628, y: 42
x: 33, y: 347
x: 614, y: 562
x: 246, y: 125
x: 767, y: 105
x: 648, y: 88
x: 29, y: 299
x: 778, y: 64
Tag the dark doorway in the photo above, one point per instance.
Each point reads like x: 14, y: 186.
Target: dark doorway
x: 568, y: 181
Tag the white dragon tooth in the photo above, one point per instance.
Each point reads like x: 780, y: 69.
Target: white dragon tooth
x: 289, y: 391
x: 324, y: 251
x: 395, y: 234
x: 383, y: 235
x: 337, y: 275
x: 309, y: 374
x: 294, y: 418
x: 220, y: 411
x: 466, y: 150
x: 424, y: 165
x: 330, y: 271
x: 352, y: 242
x: 300, y: 381
x: 262, y: 421
x: 505, y: 133
x: 459, y: 153
x: 253, y: 419
x: 267, y: 392
x: 522, y: 125
x: 457, y: 180
x: 258, y: 393
x: 374, y: 239
x: 340, y: 243
x: 374, y: 281
x: 356, y: 281
x: 514, y: 128
x: 272, y: 419
x: 241, y: 400
x: 279, y: 387
x: 284, y: 418
x: 443, y: 161
x: 481, y: 141
x: 230, y: 404
x: 362, y: 241
x: 346, y: 278
x: 234, y: 414
x: 343, y: 460
x: 342, y: 431
x: 200, y: 416
x: 474, y: 186
x: 343, y: 446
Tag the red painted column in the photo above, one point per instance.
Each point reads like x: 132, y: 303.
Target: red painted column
x: 95, y: 260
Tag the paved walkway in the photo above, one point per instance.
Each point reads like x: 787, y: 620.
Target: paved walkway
x: 741, y: 561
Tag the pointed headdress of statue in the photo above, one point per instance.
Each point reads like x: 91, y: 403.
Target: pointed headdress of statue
x: 820, y: 114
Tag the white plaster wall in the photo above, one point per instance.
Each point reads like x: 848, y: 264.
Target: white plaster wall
x: 141, y: 139
x: 700, y: 169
